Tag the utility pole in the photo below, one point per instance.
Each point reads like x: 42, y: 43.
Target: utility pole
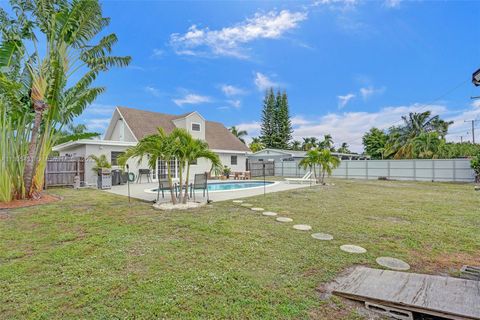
x: 473, y: 129
x: 461, y: 139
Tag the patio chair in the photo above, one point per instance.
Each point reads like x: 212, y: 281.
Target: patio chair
x: 306, y: 178
x: 162, y: 186
x: 142, y: 172
x: 200, y: 182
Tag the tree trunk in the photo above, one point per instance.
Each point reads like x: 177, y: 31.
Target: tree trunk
x: 170, y: 183
x: 186, y: 184
x: 30, y: 163
x: 180, y: 175
x: 323, y: 176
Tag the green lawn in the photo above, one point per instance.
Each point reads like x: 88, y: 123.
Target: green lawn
x: 94, y: 256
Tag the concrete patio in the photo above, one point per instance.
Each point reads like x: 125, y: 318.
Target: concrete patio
x: 137, y: 190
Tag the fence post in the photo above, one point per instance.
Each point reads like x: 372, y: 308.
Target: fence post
x: 433, y: 170
x: 346, y: 169
x: 454, y: 171
x: 282, y: 169
x: 388, y: 169
x: 414, y: 170
x: 366, y: 168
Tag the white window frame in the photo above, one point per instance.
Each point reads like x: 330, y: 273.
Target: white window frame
x: 199, y: 126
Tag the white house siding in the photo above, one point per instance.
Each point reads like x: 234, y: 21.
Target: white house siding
x: 121, y: 132
x: 186, y: 123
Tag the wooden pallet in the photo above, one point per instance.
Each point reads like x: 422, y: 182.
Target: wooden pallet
x: 447, y: 297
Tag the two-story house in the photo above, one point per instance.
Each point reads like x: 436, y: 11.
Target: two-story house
x: 127, y: 126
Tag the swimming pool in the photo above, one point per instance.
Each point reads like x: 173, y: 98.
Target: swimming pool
x: 230, y: 186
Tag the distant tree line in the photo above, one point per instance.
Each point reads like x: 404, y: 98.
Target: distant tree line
x: 420, y: 136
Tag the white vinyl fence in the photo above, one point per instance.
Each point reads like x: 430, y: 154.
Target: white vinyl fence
x: 453, y: 170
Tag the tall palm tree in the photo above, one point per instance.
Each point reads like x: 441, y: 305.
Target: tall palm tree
x: 240, y: 134
x: 328, y: 162
x: 156, y: 146
x: 327, y: 142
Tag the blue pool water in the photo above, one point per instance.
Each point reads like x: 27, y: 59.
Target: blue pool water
x: 223, y: 186
x: 219, y: 186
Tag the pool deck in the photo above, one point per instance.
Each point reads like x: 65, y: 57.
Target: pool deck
x: 137, y: 190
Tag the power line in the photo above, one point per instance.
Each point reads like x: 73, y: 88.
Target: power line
x: 443, y: 95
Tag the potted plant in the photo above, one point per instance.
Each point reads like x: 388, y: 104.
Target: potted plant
x: 226, y: 172
x: 101, y: 163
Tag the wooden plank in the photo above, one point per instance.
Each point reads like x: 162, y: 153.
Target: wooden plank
x: 449, y: 297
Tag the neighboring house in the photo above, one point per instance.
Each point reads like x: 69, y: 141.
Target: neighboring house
x: 290, y: 155
x: 128, y: 126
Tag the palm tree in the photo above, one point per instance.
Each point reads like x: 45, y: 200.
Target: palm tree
x: 328, y: 162
x: 189, y: 151
x: 309, y: 143
x: 238, y: 133
x: 55, y: 97
x: 426, y: 145
x: 344, y: 148
x: 296, y: 145
x: 327, y: 142
x: 156, y: 146
x: 75, y: 132
x: 311, y: 161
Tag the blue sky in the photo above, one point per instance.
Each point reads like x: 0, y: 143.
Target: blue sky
x: 346, y: 65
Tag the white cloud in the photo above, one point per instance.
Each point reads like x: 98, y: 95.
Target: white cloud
x: 263, y: 82
x: 158, y: 53
x: 344, y: 100
x: 252, y: 128
x: 299, y: 120
x: 350, y: 126
x: 235, y: 103
x: 337, y: 4
x: 370, y: 91
x: 99, y: 109
x: 230, y: 41
x: 192, y: 99
x: 97, y: 124
x: 476, y: 103
x: 230, y: 90
x: 153, y: 91
x: 392, y: 3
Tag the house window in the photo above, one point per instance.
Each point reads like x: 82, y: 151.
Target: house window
x: 114, y: 155
x: 195, y: 126
x: 233, y: 160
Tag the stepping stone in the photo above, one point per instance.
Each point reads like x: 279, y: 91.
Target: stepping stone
x: 283, y: 219
x: 256, y: 209
x: 248, y: 205
x: 237, y: 201
x: 393, y: 263
x: 302, y: 227
x: 350, y: 248
x: 322, y: 236
x: 269, y: 214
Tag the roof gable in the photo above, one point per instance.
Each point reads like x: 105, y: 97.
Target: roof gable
x: 143, y: 123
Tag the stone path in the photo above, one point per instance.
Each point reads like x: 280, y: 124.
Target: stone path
x: 393, y: 263
x: 387, y: 262
x: 269, y: 214
x: 322, y: 236
x: 302, y: 227
x: 350, y: 248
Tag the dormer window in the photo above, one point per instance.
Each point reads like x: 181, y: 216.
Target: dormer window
x: 195, y: 126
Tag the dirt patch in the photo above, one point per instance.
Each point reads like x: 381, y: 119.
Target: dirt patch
x: 444, y: 263
x: 46, y: 198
